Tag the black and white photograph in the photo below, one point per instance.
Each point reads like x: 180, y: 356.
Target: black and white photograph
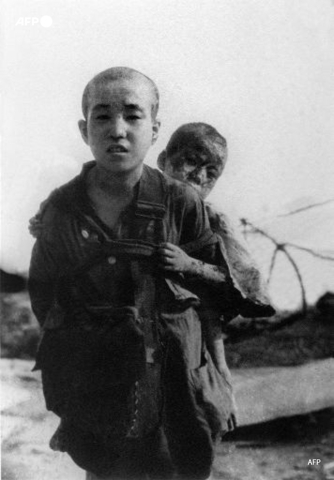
x: 167, y: 240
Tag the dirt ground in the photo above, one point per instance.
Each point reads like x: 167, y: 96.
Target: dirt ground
x: 278, y: 450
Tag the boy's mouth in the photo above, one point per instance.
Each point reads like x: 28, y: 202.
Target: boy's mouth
x: 116, y: 149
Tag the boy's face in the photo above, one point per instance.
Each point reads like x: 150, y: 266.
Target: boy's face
x: 195, y: 168
x: 119, y: 128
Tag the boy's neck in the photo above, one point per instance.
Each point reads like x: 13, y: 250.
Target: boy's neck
x: 120, y: 184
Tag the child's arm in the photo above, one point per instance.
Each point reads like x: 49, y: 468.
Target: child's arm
x: 174, y: 259
x: 35, y: 223
x: 246, y: 275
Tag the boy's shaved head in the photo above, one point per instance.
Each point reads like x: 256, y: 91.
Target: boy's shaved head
x: 119, y: 73
x: 201, y: 137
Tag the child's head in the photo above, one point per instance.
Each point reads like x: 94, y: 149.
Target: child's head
x: 120, y: 107
x: 196, y: 154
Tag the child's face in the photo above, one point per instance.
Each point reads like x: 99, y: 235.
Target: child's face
x: 195, y: 168
x: 119, y: 128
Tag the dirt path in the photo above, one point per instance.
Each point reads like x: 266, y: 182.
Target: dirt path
x: 26, y: 428
x: 277, y: 450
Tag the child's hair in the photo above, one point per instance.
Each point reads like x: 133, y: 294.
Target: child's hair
x: 119, y: 73
x: 201, y: 137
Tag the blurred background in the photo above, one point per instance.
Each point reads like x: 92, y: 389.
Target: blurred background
x: 261, y: 72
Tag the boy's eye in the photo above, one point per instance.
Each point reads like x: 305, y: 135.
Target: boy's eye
x: 133, y: 117
x: 212, y: 173
x: 102, y: 117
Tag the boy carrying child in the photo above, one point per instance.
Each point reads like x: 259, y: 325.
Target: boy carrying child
x: 122, y: 356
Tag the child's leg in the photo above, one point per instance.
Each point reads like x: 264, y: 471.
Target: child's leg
x: 214, y: 339
x: 187, y: 429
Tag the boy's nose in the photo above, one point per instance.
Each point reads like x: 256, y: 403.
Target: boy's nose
x: 117, y: 128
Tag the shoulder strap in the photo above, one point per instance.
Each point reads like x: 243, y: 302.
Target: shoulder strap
x: 150, y: 207
x: 151, y: 201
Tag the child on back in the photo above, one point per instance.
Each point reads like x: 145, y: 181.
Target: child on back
x: 196, y: 154
x: 121, y: 353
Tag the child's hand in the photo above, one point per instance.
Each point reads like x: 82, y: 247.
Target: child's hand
x: 173, y: 258
x: 35, y: 226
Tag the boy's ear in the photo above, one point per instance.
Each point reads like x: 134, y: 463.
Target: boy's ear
x: 162, y: 160
x: 82, y: 124
x: 155, y: 130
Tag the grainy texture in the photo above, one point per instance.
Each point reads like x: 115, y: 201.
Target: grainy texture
x: 277, y: 450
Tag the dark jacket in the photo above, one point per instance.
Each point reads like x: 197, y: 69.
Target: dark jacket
x: 104, y: 321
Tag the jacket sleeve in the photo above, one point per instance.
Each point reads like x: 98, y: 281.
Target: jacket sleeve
x: 245, y: 273
x: 197, y: 237
x: 243, y: 292
x: 44, y: 268
x: 200, y: 242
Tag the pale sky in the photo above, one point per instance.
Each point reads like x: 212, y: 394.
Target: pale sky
x: 260, y: 71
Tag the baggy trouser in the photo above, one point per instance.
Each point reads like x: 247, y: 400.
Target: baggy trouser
x: 197, y: 397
